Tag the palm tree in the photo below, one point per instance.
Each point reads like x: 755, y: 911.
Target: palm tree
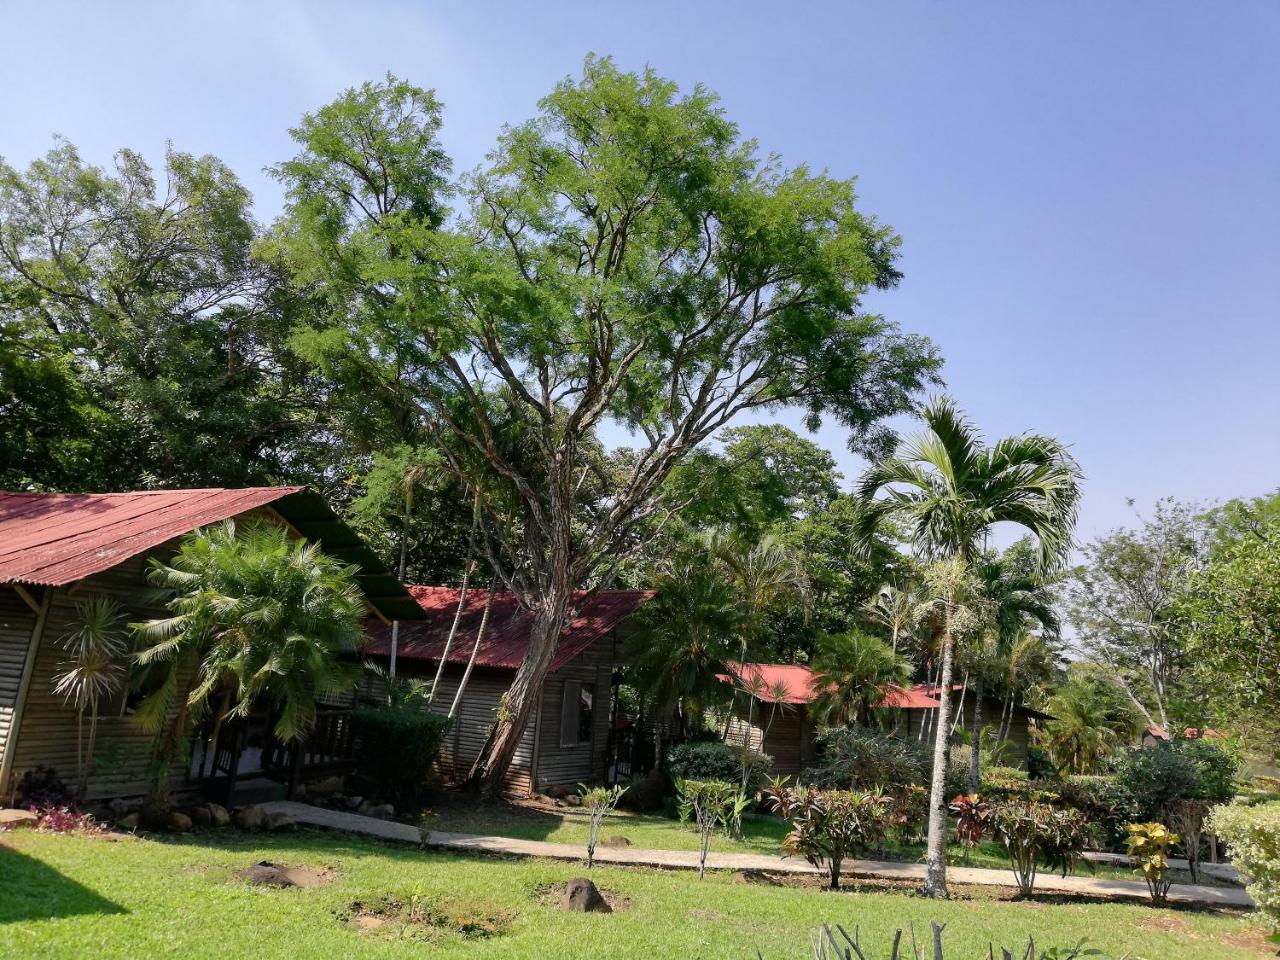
x: 950, y: 489
x: 1013, y: 601
x: 899, y: 610
x: 686, y: 638
x: 853, y: 673
x: 256, y: 616
x: 92, y: 672
x: 1090, y: 722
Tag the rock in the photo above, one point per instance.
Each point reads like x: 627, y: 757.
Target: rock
x: 10, y: 818
x: 200, y: 816
x: 354, y: 803
x: 300, y: 792
x: 280, y: 821
x: 177, y: 822
x: 616, y: 842
x: 249, y: 818
x: 119, y: 807
x: 379, y: 811
x: 558, y: 791
x: 325, y: 787
x: 573, y: 800
x: 647, y: 794
x: 128, y: 822
x: 218, y: 815
x: 582, y: 896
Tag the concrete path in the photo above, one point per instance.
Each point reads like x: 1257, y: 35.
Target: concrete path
x: 1223, y: 871
x: 688, y: 860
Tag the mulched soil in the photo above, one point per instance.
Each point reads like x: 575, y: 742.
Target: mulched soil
x: 264, y: 873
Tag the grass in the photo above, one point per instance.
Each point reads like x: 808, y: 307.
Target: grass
x: 74, y: 896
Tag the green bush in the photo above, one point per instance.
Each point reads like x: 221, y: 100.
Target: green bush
x: 1034, y: 835
x: 717, y: 760
x: 1008, y: 783
x: 1107, y: 806
x: 398, y: 746
x: 853, y: 758
x: 831, y: 826
x: 1217, y: 771
x: 1158, y: 777
x: 1040, y: 765
x: 1252, y: 835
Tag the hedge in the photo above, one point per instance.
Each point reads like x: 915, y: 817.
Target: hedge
x: 1252, y: 835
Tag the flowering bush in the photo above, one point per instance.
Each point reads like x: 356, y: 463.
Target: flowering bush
x: 1252, y: 835
x: 830, y: 826
x: 1149, y: 845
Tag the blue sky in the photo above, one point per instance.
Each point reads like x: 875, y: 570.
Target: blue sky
x: 1088, y: 192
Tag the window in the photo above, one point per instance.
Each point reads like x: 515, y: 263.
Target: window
x: 575, y: 714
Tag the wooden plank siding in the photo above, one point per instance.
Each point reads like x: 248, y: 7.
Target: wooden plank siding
x: 17, y: 621
x: 785, y: 736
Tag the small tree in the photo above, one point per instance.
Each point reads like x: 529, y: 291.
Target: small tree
x: 92, y: 671
x: 599, y: 802
x: 1035, y: 834
x: 831, y: 826
x: 1149, y: 845
x: 712, y: 804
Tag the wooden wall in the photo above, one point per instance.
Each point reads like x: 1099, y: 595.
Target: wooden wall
x: 581, y: 762
x: 17, y: 621
x: 786, y: 735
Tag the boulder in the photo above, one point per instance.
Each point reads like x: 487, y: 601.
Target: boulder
x: 617, y: 842
x: 10, y: 818
x: 582, y: 896
x: 353, y: 803
x: 128, y: 822
x: 325, y: 787
x: 280, y: 821
x: 573, y: 800
x: 646, y: 795
x: 200, y: 816
x: 558, y: 791
x: 379, y: 811
x: 177, y: 822
x: 118, y: 807
x: 218, y: 815
x: 249, y: 818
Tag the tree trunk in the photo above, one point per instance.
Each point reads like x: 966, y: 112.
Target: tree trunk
x: 519, y: 701
x: 475, y: 648
x: 935, y: 884
x: 453, y: 628
x: 975, y: 758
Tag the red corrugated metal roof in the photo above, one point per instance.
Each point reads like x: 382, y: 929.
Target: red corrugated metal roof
x: 794, y: 683
x: 57, y: 538
x: 506, y: 638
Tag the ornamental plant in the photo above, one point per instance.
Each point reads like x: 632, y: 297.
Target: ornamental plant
x: 830, y: 826
x: 973, y: 818
x: 712, y: 805
x: 1149, y: 845
x: 599, y: 802
x: 1252, y: 835
x: 1034, y: 834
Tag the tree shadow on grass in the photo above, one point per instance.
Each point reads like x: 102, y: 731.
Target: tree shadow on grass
x: 32, y: 890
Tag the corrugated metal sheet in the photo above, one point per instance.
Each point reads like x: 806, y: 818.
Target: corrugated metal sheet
x: 794, y: 683
x: 506, y: 639
x: 56, y: 538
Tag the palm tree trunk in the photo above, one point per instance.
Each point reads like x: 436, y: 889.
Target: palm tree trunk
x: 475, y: 648
x: 975, y: 759
x: 82, y: 772
x: 400, y: 567
x: 964, y: 689
x: 453, y: 629
x: 935, y: 884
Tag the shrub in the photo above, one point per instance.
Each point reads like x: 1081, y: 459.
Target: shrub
x: 1033, y: 834
x: 42, y: 787
x: 1040, y: 765
x: 1252, y: 835
x: 717, y: 760
x: 830, y: 826
x: 1149, y: 845
x: 973, y: 816
x: 909, y: 812
x: 1217, y: 771
x: 712, y: 804
x: 1105, y: 804
x: 65, y: 819
x: 398, y: 746
x: 1008, y: 783
x: 852, y: 758
x: 599, y: 803
x: 1158, y: 777
x: 958, y: 769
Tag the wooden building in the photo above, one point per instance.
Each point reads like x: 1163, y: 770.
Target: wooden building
x: 568, y: 737
x: 57, y: 550
x: 1019, y: 721
x: 775, y: 719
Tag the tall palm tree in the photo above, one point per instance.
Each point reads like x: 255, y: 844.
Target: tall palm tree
x: 900, y: 610
x: 949, y: 489
x: 1014, y: 601
x: 1089, y: 724
x: 257, y: 617
x: 686, y: 637
x: 853, y: 673
x: 92, y: 671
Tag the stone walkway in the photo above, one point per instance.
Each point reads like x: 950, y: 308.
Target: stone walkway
x: 688, y: 860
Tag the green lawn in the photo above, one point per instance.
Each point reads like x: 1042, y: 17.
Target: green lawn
x: 75, y: 897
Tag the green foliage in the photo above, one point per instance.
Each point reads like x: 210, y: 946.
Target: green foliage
x: 1106, y: 805
x: 854, y: 672
x: 854, y: 758
x: 1007, y: 783
x: 1040, y: 765
x: 398, y: 746
x: 1252, y: 835
x: 1159, y: 776
x: 1034, y: 835
x: 712, y: 805
x: 599, y: 802
x: 830, y: 826
x: 1092, y: 722
x: 716, y: 760
x: 1149, y: 845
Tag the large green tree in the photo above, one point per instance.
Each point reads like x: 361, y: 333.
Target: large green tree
x: 949, y: 489
x: 141, y: 341
x: 626, y: 256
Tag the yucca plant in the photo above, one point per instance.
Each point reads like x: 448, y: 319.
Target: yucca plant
x: 257, y: 616
x: 92, y: 672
